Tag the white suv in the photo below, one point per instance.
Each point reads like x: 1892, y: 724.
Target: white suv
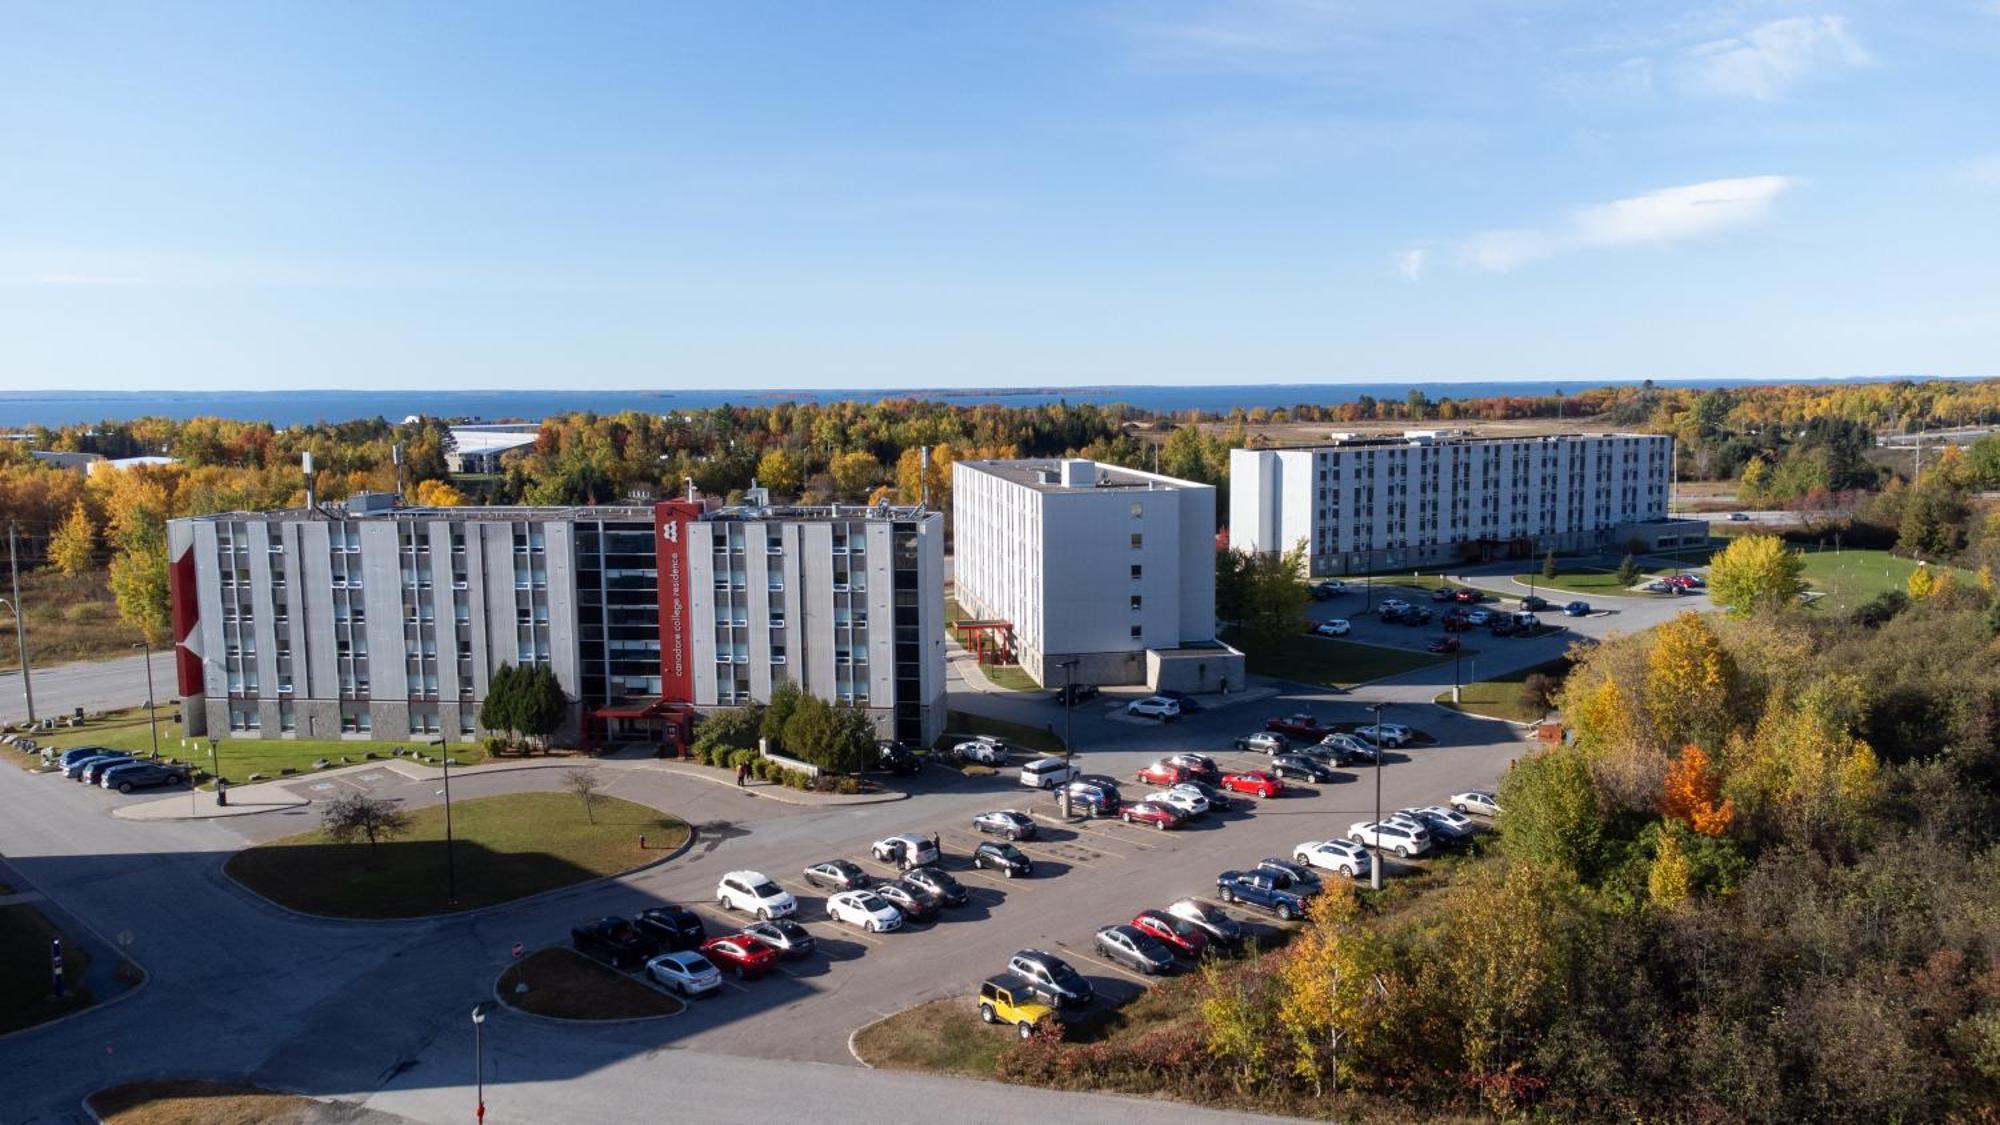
x: 1048, y: 773
x: 1346, y: 857
x: 753, y: 892
x: 984, y: 750
x: 1403, y: 839
x: 1155, y: 707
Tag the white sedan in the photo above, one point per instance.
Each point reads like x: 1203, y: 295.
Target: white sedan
x: 686, y: 972
x: 1442, y: 821
x: 865, y: 910
x: 1344, y: 856
x: 1155, y: 707
x: 1332, y: 627
x: 1385, y: 734
x: 1403, y: 839
x: 1480, y: 801
x: 1187, y: 802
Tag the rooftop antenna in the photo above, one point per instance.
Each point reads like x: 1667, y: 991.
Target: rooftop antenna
x: 312, y: 493
x: 396, y: 455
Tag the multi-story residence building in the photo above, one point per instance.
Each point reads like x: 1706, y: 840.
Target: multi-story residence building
x: 1431, y: 498
x: 369, y: 620
x: 1104, y: 575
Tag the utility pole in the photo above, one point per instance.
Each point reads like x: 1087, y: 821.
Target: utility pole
x: 1375, y: 867
x: 20, y: 623
x: 450, y: 858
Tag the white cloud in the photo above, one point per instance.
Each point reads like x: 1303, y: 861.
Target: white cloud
x: 1410, y: 263
x: 1657, y: 217
x: 1765, y: 61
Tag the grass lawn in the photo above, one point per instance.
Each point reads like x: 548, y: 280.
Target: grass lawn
x: 24, y: 970
x: 1849, y: 579
x: 196, y: 1102
x: 1009, y: 677
x: 570, y: 986
x: 943, y: 1036
x: 68, y: 619
x: 508, y: 847
x: 1586, y: 582
x: 960, y: 725
x: 1501, y: 698
x: 240, y: 757
x: 1323, y: 660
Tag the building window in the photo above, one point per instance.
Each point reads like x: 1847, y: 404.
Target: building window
x: 1137, y: 570
x: 1138, y: 540
x: 1138, y: 632
x: 1138, y: 602
x: 1138, y: 509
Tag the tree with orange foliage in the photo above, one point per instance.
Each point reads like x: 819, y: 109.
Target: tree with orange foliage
x: 1692, y: 793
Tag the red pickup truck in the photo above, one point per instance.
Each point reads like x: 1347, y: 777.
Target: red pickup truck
x: 1298, y: 726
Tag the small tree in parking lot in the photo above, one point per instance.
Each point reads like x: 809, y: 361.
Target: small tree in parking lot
x: 1549, y: 564
x: 583, y: 783
x: 358, y: 816
x: 1628, y: 572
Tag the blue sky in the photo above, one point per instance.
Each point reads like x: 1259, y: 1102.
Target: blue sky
x: 871, y: 194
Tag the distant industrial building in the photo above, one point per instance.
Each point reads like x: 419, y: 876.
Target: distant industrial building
x: 1436, y: 497
x: 478, y: 448
x: 1102, y: 575
x: 370, y: 620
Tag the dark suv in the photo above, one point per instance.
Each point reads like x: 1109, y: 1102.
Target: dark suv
x: 614, y: 941
x: 141, y: 775
x: 673, y: 928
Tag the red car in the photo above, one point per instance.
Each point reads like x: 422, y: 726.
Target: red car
x: 1164, y: 772
x: 1177, y: 934
x: 1443, y: 644
x: 1297, y: 726
x: 1456, y: 623
x: 1201, y: 766
x: 1467, y: 597
x: 1153, y: 813
x: 740, y: 953
x: 1257, y: 783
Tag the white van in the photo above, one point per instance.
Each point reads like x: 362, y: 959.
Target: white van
x: 1047, y: 773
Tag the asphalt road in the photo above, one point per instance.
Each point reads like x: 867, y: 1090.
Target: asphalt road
x: 377, y: 1012
x: 92, y: 685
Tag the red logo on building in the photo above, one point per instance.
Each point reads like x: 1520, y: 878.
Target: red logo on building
x: 670, y: 520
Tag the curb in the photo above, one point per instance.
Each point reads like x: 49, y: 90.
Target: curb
x: 145, y: 978
x: 238, y: 885
x: 864, y: 1027
x: 566, y: 1021
x: 856, y: 800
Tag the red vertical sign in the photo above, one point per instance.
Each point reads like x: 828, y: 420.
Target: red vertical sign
x: 670, y: 523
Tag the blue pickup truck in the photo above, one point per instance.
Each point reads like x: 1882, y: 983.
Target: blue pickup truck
x: 1259, y: 890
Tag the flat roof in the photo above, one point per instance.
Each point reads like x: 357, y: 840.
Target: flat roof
x: 1044, y: 474
x: 582, y: 513
x: 489, y: 441
x: 1427, y: 438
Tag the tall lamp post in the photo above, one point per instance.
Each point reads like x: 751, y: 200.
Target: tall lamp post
x: 20, y: 623
x: 479, y: 1060
x: 152, y: 718
x: 1069, y: 701
x: 215, y: 767
x: 1375, y: 867
x: 450, y: 859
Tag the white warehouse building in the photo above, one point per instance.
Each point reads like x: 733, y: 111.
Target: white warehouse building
x: 1106, y: 574
x: 1436, y: 497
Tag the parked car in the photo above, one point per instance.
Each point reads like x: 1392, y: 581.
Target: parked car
x: 741, y: 954
x: 127, y: 776
x: 788, y: 938
x: 1010, y: 1000
x: 1153, y: 813
x: 1442, y: 644
x: 1504, y: 626
x: 752, y: 892
x: 612, y: 940
x: 1297, y: 726
x: 984, y: 749
x: 1327, y: 590
x: 1259, y: 890
x: 1162, y: 772
x: 1264, y: 742
x: 1467, y: 596
x: 1097, y: 797
x: 1393, y: 603
x: 940, y: 884
x: 1133, y: 948
x: 1069, y: 695
x: 1456, y: 623
x: 1577, y: 609
x: 1216, y: 798
x: 1443, y: 823
x: 1444, y: 594
x: 1048, y: 773
x: 906, y: 850
x: 1052, y: 978
x: 896, y: 758
x: 1189, y: 704
x: 1344, y: 856
x: 1186, y: 802
x: 1200, y: 766
x: 1210, y: 918
x: 1012, y: 824
x: 1333, y: 627
x: 865, y: 910
x: 1739, y: 517
x: 685, y: 971
x: 1392, y: 614
x: 1346, y: 749
x: 76, y: 770
x: 1155, y: 707
x: 1480, y: 617
x: 838, y: 875
x: 1256, y: 783
x: 1392, y: 735
x: 93, y: 769
x: 1416, y: 615
x: 1178, y: 934
x: 1300, y: 766
x: 1481, y: 801
x: 915, y: 903
x: 1007, y: 859
x: 1402, y: 839
x: 1294, y: 877
x: 64, y: 759
x: 672, y: 927
x: 1661, y: 586
x: 1534, y: 603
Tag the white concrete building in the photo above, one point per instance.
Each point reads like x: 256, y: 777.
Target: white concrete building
x: 1435, y: 497
x: 1109, y: 567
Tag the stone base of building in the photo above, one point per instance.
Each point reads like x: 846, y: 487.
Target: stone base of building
x: 1196, y: 669
x: 387, y: 720
x: 1647, y: 536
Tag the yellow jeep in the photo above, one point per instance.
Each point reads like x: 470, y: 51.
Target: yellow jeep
x: 1009, y: 999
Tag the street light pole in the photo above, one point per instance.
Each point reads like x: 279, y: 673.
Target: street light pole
x: 450, y: 858
x: 1069, y: 701
x: 20, y: 624
x: 152, y: 718
x: 479, y: 1061
x: 1375, y: 867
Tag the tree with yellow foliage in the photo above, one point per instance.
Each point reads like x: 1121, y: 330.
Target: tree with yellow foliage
x: 1334, y: 981
x: 1756, y: 572
x: 1670, y: 879
x: 73, y: 547
x: 1803, y: 767
x: 436, y: 494
x: 1920, y: 583
x: 1690, y: 681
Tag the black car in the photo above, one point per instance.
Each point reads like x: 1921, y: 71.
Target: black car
x: 1533, y: 604
x: 1391, y: 614
x: 898, y: 759
x: 1072, y: 694
x: 784, y: 935
x: 1052, y: 978
x: 1214, y: 922
x: 1216, y: 798
x: 1298, y: 765
x: 1503, y: 627
x: 916, y: 903
x: 1416, y: 615
x: 614, y: 941
x: 74, y: 768
x: 1009, y: 823
x: 1004, y: 858
x: 939, y: 883
x: 91, y: 771
x: 141, y: 775
x: 1189, y: 704
x: 67, y: 758
x: 838, y: 875
x: 673, y: 928
x: 1291, y: 877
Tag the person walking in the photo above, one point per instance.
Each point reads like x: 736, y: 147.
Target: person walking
x: 742, y: 772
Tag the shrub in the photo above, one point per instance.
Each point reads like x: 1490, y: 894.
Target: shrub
x: 849, y: 786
